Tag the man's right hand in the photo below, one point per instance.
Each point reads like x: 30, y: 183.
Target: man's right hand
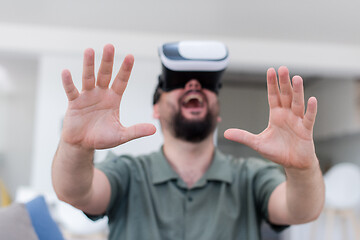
x: 92, y: 118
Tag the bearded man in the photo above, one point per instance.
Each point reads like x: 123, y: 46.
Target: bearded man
x: 188, y: 189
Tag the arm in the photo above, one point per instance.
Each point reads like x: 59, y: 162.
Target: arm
x: 288, y: 141
x: 298, y: 200
x: 92, y: 122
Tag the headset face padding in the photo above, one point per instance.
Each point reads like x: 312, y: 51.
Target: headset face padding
x: 204, y: 61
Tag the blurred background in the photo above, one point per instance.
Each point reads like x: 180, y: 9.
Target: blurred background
x: 319, y: 40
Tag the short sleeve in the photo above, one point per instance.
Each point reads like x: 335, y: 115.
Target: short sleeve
x: 267, y: 177
x: 117, y: 170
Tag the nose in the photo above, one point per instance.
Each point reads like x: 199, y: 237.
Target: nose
x: 193, y: 84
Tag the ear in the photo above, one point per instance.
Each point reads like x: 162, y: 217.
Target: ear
x: 219, y: 119
x: 156, y: 114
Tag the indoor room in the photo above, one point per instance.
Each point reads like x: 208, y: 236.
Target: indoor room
x: 319, y: 41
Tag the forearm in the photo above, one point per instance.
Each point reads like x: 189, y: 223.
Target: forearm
x: 72, y: 173
x: 300, y: 198
x: 305, y: 192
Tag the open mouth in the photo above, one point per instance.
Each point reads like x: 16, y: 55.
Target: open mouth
x: 193, y: 101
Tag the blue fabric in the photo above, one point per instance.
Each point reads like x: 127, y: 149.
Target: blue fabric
x: 44, y: 225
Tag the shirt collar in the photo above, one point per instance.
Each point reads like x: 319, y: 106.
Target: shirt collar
x: 219, y: 170
x: 160, y: 168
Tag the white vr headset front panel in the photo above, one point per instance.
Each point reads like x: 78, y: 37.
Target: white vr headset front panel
x: 196, y: 56
x: 186, y: 65
x: 210, y: 50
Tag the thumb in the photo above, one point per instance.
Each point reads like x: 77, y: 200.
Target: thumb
x: 139, y: 130
x: 241, y: 136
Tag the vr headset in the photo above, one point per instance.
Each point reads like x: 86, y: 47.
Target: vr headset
x: 182, y: 61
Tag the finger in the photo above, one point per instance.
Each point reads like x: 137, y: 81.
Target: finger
x: 298, y: 105
x: 122, y: 78
x: 106, y: 67
x: 242, y: 136
x: 138, y: 131
x: 273, y: 89
x: 68, y: 84
x: 285, y: 87
x: 310, y: 115
x: 88, y: 77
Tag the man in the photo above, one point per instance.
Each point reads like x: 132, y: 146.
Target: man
x: 189, y: 189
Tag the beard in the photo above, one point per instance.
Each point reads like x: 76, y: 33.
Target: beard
x: 193, y: 130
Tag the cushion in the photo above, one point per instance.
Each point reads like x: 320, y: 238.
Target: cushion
x: 15, y: 223
x: 44, y: 225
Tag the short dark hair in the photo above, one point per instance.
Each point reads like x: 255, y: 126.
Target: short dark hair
x: 157, y: 94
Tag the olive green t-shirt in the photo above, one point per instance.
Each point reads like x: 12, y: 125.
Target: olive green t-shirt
x: 150, y: 201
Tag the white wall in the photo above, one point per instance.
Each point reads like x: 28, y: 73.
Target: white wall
x: 246, y: 53
x: 17, y: 119
x: 3, y: 123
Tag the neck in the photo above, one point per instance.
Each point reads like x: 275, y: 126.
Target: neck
x: 189, y: 160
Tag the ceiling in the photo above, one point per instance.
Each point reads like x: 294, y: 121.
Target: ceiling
x: 328, y: 21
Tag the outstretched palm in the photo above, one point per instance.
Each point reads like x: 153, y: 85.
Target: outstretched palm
x: 92, y: 117
x: 288, y: 138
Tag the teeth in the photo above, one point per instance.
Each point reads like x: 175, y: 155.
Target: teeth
x: 197, y: 97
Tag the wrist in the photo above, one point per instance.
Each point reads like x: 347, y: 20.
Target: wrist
x: 309, y: 169
x: 75, y: 144
x: 75, y: 150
